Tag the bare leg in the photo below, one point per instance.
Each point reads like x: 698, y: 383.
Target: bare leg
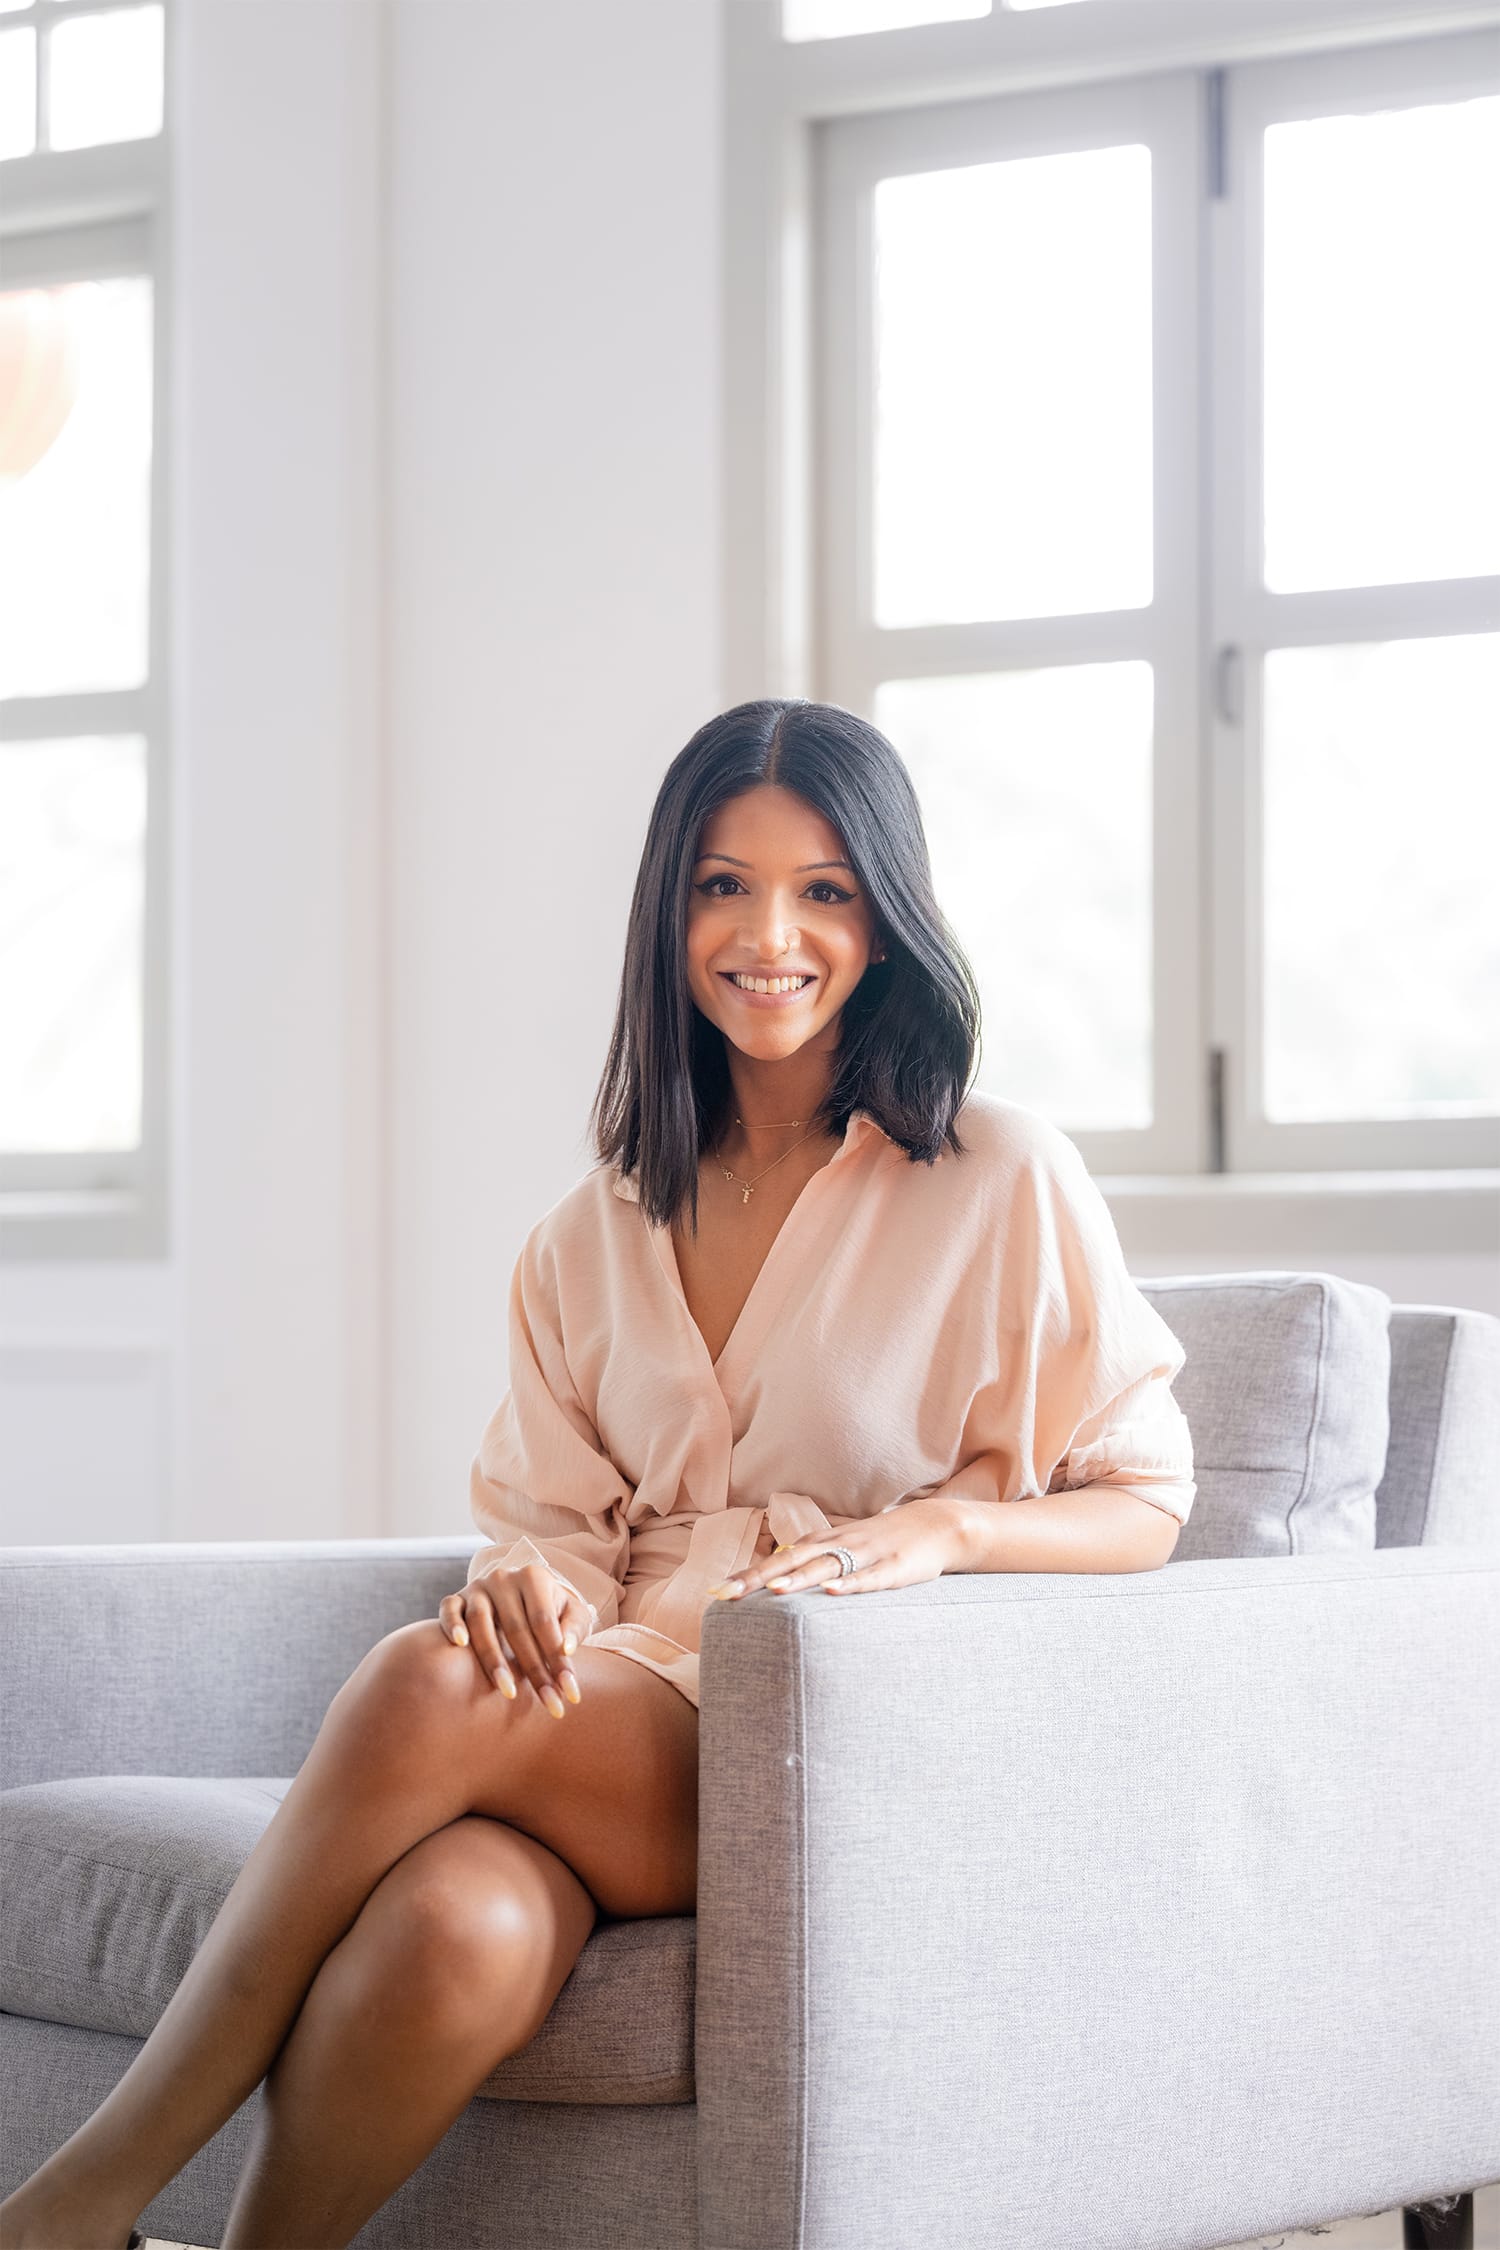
x: 454, y: 1963
x: 416, y: 1738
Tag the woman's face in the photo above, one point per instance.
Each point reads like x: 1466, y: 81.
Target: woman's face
x: 772, y: 894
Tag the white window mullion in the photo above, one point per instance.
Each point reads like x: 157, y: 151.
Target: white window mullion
x: 1370, y: 613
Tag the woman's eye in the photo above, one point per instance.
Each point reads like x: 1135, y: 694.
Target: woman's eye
x: 837, y: 897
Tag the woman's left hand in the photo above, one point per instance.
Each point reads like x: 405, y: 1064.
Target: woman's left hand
x: 903, y: 1547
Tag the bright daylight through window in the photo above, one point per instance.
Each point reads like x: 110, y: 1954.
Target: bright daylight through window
x: 79, y: 437
x: 1158, y: 523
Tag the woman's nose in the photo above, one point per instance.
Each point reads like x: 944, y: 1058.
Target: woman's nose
x: 769, y: 935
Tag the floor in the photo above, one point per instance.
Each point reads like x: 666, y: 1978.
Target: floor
x: 1383, y: 2233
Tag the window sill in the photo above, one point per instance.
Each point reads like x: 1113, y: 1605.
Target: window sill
x: 1306, y: 1214
x: 45, y: 1223
x: 1233, y: 1214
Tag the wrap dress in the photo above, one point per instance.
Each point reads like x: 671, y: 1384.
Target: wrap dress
x: 964, y: 1328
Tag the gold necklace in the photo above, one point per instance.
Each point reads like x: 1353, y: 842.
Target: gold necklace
x: 749, y: 1186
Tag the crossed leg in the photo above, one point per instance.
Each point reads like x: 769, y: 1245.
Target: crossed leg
x: 406, y: 1920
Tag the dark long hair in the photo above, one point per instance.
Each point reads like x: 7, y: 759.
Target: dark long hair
x: 909, y: 1032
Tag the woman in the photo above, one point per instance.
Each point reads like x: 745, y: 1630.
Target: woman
x: 788, y: 1267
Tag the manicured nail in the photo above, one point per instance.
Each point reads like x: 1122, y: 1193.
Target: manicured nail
x: 570, y: 1687
x: 460, y: 1637
x: 570, y: 1644
x: 778, y: 1585
x: 551, y: 1698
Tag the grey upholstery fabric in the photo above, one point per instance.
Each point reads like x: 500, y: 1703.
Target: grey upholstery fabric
x: 1442, y: 1476
x: 111, y: 1885
x: 506, y: 2175
x: 1285, y: 1389
x: 1120, y: 1911
x: 213, y: 1659
x: 1145, y: 1911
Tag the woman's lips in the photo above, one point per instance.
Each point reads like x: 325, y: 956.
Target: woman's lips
x: 767, y: 999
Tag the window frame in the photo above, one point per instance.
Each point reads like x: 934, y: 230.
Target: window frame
x: 98, y: 213
x: 1249, y: 620
x: 778, y: 97
x: 853, y: 653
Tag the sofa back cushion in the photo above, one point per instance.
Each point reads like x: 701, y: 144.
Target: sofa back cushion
x: 1441, y: 1486
x: 1286, y: 1390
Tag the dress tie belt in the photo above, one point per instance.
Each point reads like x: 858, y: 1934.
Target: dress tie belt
x: 723, y: 1542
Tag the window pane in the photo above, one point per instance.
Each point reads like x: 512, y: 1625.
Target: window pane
x: 106, y: 80
x: 75, y: 485
x: 17, y: 92
x: 1382, y: 912
x: 1382, y: 347
x: 72, y: 887
x: 1013, y: 389
x: 837, y: 19
x: 1035, y: 790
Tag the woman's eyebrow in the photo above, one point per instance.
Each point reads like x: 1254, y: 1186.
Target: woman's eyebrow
x: 807, y: 870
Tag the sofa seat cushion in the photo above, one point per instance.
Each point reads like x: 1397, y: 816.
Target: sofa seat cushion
x: 1286, y: 1389
x: 111, y: 1883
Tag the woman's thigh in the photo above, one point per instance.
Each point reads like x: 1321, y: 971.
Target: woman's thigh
x: 611, y: 1787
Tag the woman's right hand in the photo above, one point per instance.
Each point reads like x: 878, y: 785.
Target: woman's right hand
x: 520, y: 1619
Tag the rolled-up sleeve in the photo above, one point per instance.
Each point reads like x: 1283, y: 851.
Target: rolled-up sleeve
x: 1084, y: 1365
x: 1107, y: 1359
x: 542, y: 1488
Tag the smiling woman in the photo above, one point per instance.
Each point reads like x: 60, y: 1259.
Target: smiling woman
x: 791, y: 1311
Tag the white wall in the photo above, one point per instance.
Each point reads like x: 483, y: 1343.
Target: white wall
x: 276, y: 1214
x: 555, y: 615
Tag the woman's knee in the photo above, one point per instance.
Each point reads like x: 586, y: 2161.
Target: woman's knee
x: 413, y: 1669
x: 476, y: 1924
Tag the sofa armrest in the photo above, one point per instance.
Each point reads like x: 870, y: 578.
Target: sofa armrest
x: 195, y: 1658
x: 1168, y: 1902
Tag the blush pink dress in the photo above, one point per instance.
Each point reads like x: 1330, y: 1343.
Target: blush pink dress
x: 965, y: 1328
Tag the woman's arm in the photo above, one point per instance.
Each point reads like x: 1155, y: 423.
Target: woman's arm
x: 1095, y: 1527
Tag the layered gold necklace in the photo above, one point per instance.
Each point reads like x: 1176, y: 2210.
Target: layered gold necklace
x: 748, y: 1186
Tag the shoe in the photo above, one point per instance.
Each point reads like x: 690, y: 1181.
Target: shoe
x: 137, y: 2241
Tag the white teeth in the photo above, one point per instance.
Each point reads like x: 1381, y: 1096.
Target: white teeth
x: 771, y: 984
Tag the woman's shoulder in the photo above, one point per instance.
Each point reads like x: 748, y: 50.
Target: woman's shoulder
x: 1008, y: 1138
x: 573, y: 1225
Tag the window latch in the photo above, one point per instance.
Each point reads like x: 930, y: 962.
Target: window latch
x: 1229, y: 697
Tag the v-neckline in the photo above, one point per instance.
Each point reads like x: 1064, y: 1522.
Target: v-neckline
x: 666, y: 1250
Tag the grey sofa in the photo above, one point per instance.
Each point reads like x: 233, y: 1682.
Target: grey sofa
x: 1149, y: 1911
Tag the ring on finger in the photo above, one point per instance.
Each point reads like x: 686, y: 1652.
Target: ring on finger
x: 824, y: 1554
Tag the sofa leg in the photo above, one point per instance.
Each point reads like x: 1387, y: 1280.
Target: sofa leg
x: 1425, y: 2228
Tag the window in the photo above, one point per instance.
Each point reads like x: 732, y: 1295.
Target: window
x: 1356, y: 599
x: 1145, y: 489
x: 1009, y: 552
x: 82, y: 735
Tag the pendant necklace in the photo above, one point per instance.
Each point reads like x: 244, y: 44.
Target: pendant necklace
x: 748, y: 1187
